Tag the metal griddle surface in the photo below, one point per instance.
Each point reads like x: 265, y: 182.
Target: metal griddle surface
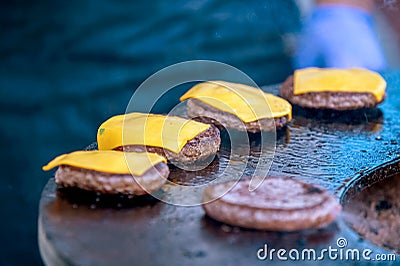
x: 325, y: 148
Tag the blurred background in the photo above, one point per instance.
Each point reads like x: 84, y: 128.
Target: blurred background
x: 66, y: 66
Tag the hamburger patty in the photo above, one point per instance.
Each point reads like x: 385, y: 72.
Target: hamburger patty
x: 207, y: 114
x: 200, y: 147
x: 328, y: 100
x: 109, y: 183
x: 278, y: 204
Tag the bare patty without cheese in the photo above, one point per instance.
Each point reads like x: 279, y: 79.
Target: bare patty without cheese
x: 207, y: 114
x: 328, y: 100
x: 278, y: 204
x: 200, y: 147
x: 110, y: 183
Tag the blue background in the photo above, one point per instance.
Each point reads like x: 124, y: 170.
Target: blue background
x: 66, y: 66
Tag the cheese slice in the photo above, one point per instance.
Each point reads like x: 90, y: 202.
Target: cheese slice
x: 247, y: 103
x: 169, y: 132
x: 108, y: 161
x: 355, y: 80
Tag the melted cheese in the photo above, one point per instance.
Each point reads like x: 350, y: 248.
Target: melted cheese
x: 108, y: 161
x: 247, y: 103
x: 355, y: 80
x: 169, y: 132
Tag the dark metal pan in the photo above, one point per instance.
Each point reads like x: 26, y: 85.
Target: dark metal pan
x: 331, y: 149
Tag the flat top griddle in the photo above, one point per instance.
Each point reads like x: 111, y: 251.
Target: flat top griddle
x: 336, y: 150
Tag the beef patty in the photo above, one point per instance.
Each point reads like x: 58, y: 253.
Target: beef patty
x: 207, y: 114
x: 109, y: 183
x: 328, y: 100
x: 278, y: 204
x: 200, y: 147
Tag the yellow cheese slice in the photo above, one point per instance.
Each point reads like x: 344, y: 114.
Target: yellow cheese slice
x: 247, y: 103
x: 169, y: 132
x: 355, y: 80
x: 115, y: 162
